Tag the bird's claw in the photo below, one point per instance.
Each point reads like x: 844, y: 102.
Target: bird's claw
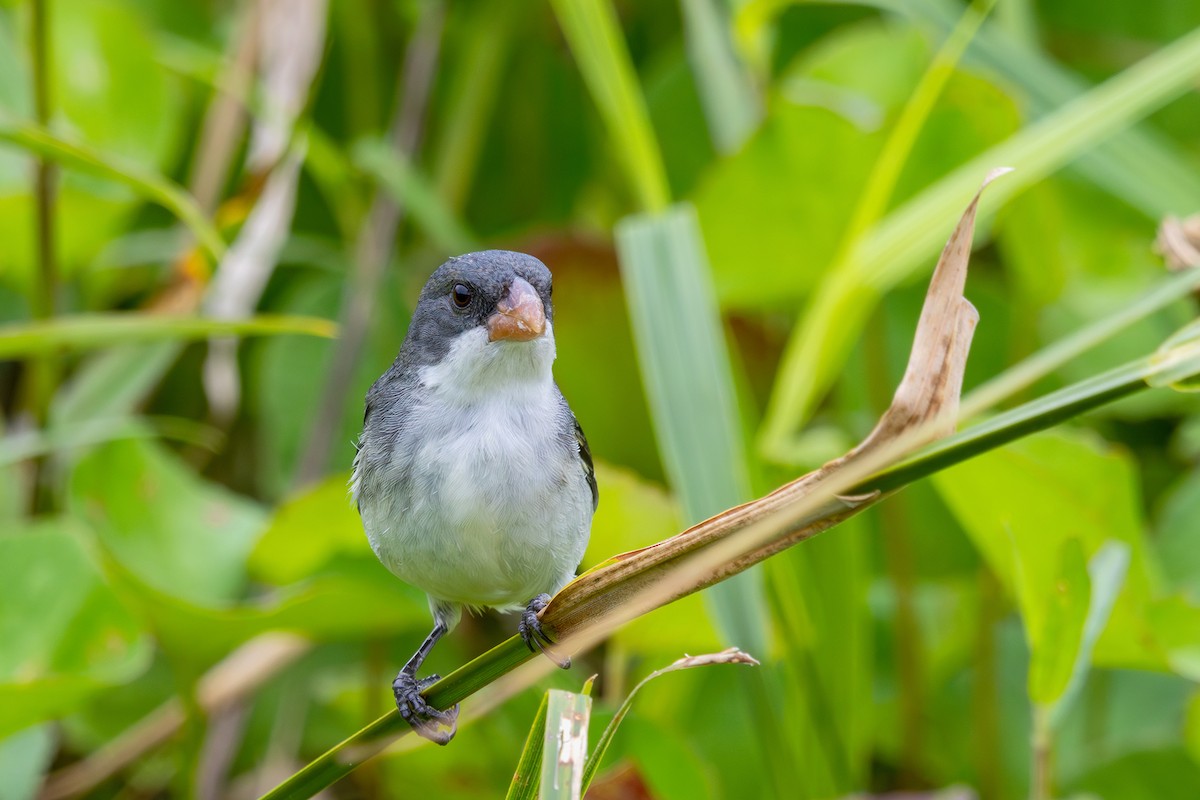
x: 534, y: 636
x: 428, y: 722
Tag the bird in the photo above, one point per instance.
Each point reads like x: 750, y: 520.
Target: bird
x: 473, y: 478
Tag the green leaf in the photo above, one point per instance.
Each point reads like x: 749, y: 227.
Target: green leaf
x: 564, y: 748
x: 731, y: 103
x: 153, y: 186
x: 592, y: 30
x: 689, y: 385
x: 90, y: 331
x: 24, y: 759
x: 905, y: 238
x: 65, y: 634
x: 1077, y: 611
x: 1054, y: 650
x: 527, y: 778
x: 1022, y: 503
x: 409, y: 188
x: 23, y: 445
x: 102, y: 58
x: 188, y: 538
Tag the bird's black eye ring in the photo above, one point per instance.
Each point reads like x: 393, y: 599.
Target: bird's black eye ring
x: 461, y: 295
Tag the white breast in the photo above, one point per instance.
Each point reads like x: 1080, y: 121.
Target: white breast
x: 492, y: 507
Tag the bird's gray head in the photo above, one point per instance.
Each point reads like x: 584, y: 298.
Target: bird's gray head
x: 488, y: 312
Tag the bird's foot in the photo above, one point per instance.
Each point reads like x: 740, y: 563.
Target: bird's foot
x: 427, y: 721
x: 535, y: 638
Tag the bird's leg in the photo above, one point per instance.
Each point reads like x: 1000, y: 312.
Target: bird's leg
x: 427, y: 721
x: 530, y: 629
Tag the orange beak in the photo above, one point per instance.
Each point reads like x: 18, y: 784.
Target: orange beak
x: 519, y: 317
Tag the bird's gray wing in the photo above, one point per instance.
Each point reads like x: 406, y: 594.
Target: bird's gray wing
x: 589, y: 469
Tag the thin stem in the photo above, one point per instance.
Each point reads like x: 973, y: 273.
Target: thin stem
x: 985, y: 697
x: 1040, y: 787
x: 43, y: 369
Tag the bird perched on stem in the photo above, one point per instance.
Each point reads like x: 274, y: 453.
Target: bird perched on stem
x: 473, y: 478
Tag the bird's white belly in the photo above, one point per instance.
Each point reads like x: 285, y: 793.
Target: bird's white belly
x: 485, y: 520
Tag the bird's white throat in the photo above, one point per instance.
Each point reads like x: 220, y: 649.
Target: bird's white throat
x: 476, y: 369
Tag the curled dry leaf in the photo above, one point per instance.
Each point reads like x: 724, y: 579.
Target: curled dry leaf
x: 926, y: 402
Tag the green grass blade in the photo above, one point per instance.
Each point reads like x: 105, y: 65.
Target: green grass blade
x: 17, y: 447
x: 525, y: 782
x: 153, y: 186
x: 91, y: 331
x: 1139, y: 165
x: 1050, y: 358
x: 413, y: 192
x: 689, y: 386
x: 564, y: 746
x: 594, y: 35
x: 914, y: 232
x: 731, y: 103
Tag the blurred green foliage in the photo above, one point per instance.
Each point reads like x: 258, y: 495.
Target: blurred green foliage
x: 159, y: 503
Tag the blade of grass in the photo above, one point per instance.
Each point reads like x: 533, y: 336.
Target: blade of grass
x: 411, y: 190
x: 564, y: 748
x: 153, y: 186
x: 525, y: 782
x: 897, y: 245
x: 871, y: 206
x: 732, y: 106
x: 689, y: 387
x: 90, y: 331
x: 594, y: 35
x: 17, y: 447
x: 1138, y: 165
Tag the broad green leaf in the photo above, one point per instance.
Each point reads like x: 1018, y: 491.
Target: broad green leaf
x: 689, y: 386
x: 186, y: 537
x: 1177, y: 535
x: 1076, y: 614
x: 90, y: 331
x: 564, y: 746
x: 1141, y: 166
x: 307, y: 531
x: 24, y: 758
x: 1053, y: 652
x: 1021, y: 504
x: 65, y: 634
x: 811, y: 142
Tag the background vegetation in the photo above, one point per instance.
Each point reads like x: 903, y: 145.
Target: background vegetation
x: 174, y: 173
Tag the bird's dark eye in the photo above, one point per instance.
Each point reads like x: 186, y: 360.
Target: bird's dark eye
x: 461, y: 294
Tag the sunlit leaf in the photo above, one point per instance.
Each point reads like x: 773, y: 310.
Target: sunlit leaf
x: 105, y: 330
x: 66, y: 635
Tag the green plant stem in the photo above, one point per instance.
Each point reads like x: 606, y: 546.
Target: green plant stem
x: 43, y: 368
x: 1041, y: 785
x: 473, y: 676
x: 985, y: 694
